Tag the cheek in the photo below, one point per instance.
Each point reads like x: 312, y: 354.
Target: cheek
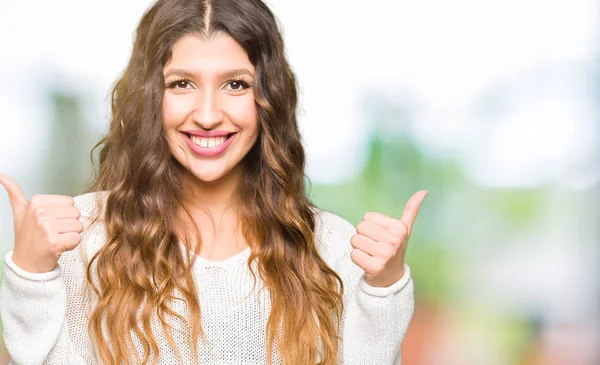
x: 175, y: 111
x: 243, y: 112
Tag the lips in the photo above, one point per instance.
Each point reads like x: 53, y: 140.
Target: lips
x: 208, y: 146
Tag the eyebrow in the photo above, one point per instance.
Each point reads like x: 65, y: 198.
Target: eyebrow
x: 225, y: 75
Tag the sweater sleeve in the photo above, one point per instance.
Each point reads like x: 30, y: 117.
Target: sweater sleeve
x: 375, y: 320
x: 45, y: 315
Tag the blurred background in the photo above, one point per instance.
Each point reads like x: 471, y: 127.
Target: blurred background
x: 492, y: 106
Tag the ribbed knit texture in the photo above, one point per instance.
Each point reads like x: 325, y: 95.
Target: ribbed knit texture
x: 45, y: 315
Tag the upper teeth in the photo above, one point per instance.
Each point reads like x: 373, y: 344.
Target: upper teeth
x: 208, y: 142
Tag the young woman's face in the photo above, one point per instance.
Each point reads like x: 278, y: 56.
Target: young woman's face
x: 209, y: 115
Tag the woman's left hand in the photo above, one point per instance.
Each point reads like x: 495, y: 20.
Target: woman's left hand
x: 380, y: 243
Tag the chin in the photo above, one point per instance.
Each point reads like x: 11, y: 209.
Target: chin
x: 207, y: 177
x: 210, y: 175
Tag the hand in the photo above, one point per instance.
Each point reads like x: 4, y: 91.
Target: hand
x: 45, y: 227
x: 380, y: 243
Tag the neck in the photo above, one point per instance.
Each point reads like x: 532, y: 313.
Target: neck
x: 214, y: 209
x: 213, y: 198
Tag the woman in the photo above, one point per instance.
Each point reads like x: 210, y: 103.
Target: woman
x: 196, y: 242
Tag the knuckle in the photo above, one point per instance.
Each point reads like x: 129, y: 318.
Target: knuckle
x: 360, y: 227
x: 390, y: 252
x: 35, y: 200
x: 52, y: 241
x: 396, y: 232
x: 396, y: 242
x: 39, y: 212
x: 45, y: 225
x: 383, y: 251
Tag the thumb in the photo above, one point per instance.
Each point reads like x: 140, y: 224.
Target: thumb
x: 15, y: 194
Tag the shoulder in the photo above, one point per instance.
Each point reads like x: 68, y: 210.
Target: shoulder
x: 332, y: 233
x: 329, y: 223
x: 91, y: 205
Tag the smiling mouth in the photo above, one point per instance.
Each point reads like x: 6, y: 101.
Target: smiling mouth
x: 210, y: 142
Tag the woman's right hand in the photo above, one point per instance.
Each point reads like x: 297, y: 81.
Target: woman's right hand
x: 45, y: 227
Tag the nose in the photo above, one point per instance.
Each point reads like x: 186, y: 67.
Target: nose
x: 207, y: 112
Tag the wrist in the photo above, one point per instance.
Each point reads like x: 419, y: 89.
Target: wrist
x: 28, y: 266
x: 385, y: 280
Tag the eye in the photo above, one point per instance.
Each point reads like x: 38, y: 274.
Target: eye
x: 238, y: 85
x: 179, y: 84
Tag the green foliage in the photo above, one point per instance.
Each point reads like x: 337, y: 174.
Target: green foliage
x: 517, y: 207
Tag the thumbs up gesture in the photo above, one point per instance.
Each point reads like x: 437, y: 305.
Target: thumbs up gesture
x: 380, y: 243
x: 45, y: 227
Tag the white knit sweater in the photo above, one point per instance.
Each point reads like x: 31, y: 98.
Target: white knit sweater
x: 45, y: 315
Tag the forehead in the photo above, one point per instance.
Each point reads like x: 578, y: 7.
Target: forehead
x: 206, y: 56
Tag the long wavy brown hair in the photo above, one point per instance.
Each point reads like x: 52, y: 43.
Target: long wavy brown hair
x: 142, y: 268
